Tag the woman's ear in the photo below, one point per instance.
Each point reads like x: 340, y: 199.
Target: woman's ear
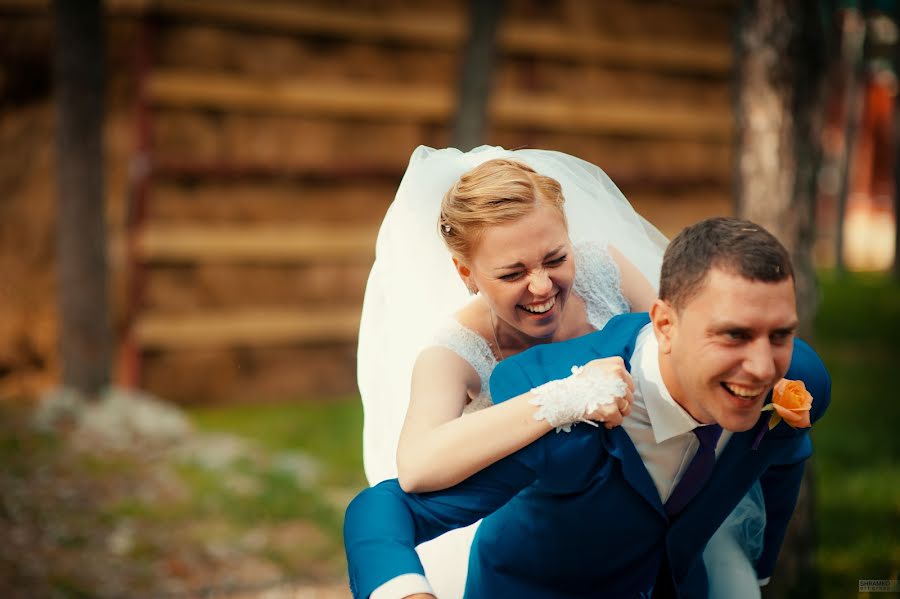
x: 665, y: 321
x: 465, y: 273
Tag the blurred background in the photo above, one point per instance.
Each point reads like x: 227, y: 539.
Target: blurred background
x: 191, y: 192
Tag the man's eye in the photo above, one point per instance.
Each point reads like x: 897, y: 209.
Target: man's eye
x: 737, y: 335
x: 781, y: 338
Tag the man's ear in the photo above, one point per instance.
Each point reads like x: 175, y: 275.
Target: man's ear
x: 665, y: 320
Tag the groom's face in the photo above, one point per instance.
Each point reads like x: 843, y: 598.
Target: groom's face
x: 723, y: 351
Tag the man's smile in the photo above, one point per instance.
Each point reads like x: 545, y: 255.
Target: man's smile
x: 743, y: 391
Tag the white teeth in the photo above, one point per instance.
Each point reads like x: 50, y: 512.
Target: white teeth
x: 541, y: 308
x: 744, y: 391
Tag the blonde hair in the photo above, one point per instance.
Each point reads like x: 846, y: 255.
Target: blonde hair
x: 495, y: 192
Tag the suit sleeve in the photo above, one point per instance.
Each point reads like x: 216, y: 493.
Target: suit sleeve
x: 383, y: 524
x: 781, y: 481
x: 509, y: 380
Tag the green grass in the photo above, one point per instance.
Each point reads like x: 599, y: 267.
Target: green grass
x: 331, y: 431
x: 857, y: 446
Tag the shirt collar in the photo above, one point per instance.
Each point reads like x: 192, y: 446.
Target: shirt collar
x: 667, y: 418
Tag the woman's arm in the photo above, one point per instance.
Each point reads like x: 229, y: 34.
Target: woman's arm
x: 635, y: 287
x: 438, y: 448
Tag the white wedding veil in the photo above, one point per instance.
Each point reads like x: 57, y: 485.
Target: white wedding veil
x: 413, y: 287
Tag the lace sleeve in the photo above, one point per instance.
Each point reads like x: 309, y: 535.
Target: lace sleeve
x: 598, y: 282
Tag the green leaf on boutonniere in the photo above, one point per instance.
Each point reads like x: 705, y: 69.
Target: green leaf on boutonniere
x: 774, y: 418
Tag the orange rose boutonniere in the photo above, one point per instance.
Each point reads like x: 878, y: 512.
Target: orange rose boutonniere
x: 791, y: 403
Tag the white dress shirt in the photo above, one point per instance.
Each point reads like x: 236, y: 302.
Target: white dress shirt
x: 661, y: 430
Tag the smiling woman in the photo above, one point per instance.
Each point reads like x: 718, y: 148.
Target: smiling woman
x: 524, y: 271
x: 505, y: 228
x: 532, y: 235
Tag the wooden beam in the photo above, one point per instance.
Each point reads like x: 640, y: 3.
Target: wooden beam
x: 442, y: 30
x: 377, y: 167
x: 29, y: 6
x: 437, y: 30
x: 448, y: 30
x: 553, y: 41
x: 673, y: 212
x: 256, y: 327
x: 186, y: 243
x: 183, y: 89
x: 582, y: 115
x: 429, y: 104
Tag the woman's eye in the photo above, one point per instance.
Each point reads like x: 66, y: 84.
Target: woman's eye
x: 511, y: 276
x: 556, y: 261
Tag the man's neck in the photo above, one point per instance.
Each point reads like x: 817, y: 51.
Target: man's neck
x: 667, y: 371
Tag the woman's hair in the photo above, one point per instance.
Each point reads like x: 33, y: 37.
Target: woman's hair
x: 495, y: 192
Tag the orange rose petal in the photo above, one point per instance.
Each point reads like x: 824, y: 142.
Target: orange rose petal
x: 792, y: 402
x: 798, y: 418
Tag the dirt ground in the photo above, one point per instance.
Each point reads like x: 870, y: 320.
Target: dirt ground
x: 123, y: 498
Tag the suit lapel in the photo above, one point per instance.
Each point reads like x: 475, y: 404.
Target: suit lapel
x: 741, y: 447
x: 618, y: 445
x: 738, y: 456
x: 618, y: 339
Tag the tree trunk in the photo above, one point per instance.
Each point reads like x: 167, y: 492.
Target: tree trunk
x: 779, y: 82
x: 851, y: 66
x: 475, y: 74
x: 896, y: 268
x: 84, y: 331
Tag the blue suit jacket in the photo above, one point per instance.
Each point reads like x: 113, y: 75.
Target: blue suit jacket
x: 547, y: 530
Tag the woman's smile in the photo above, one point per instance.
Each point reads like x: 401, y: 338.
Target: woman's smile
x: 539, y: 309
x: 524, y: 270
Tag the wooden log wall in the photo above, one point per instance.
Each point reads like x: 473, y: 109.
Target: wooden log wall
x: 279, y: 130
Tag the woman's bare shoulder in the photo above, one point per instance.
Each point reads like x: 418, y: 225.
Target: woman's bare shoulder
x: 475, y: 316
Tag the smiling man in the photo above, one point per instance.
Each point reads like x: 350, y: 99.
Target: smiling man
x: 725, y: 320
x: 628, y: 512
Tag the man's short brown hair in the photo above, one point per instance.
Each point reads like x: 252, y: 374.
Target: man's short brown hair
x: 732, y: 244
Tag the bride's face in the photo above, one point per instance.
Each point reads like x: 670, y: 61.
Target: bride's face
x: 524, y: 270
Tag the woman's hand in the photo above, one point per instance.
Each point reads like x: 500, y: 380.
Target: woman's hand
x: 611, y: 414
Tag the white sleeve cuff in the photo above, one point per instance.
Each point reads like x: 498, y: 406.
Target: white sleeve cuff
x: 764, y: 581
x: 402, y: 586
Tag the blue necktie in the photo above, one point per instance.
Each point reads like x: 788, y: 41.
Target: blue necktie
x: 698, y: 471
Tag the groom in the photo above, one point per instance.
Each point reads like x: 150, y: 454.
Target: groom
x: 627, y: 512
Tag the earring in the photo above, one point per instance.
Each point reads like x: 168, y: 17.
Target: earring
x: 472, y: 289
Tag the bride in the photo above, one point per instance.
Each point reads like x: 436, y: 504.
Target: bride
x: 526, y: 247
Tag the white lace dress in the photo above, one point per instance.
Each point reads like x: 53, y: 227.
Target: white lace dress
x: 597, y: 283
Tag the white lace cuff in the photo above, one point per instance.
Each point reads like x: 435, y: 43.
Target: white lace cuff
x: 566, y: 401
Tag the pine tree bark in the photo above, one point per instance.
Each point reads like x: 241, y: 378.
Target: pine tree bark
x: 476, y: 73
x: 896, y: 266
x: 84, y: 331
x: 780, y: 68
